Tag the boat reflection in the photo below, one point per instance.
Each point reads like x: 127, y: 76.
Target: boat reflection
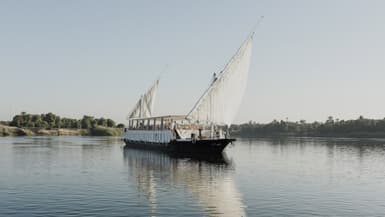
x: 208, y: 179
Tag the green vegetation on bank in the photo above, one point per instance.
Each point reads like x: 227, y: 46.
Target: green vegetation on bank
x: 361, y: 127
x: 50, y: 124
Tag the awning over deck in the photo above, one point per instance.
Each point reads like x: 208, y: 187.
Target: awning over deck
x: 164, y: 117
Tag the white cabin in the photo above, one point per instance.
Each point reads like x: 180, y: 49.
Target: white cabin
x: 164, y: 129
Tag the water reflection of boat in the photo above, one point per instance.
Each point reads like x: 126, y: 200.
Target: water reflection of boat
x: 209, y: 181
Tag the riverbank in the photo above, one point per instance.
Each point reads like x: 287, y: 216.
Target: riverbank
x: 97, y: 131
x: 329, y: 135
x: 359, y: 128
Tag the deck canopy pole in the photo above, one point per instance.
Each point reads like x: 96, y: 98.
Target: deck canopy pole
x: 144, y: 124
x: 161, y: 123
x: 154, y: 124
x: 148, y: 124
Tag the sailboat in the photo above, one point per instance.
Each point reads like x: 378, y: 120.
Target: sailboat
x: 204, y: 128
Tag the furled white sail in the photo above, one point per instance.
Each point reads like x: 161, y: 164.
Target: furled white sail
x: 220, y: 102
x: 145, y: 105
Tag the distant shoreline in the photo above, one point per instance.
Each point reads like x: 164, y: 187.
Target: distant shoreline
x: 8, y: 131
x: 49, y: 124
x: 358, y: 135
x: 358, y: 128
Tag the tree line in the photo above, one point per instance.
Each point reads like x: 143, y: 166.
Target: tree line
x: 50, y: 120
x: 361, y: 127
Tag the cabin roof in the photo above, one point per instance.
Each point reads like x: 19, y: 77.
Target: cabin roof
x: 165, y: 117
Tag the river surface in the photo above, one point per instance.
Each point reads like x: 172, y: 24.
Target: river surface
x: 96, y: 176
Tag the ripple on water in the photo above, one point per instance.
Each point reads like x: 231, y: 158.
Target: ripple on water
x: 86, y: 176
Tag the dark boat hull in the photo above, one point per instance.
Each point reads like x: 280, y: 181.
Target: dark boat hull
x: 204, y: 146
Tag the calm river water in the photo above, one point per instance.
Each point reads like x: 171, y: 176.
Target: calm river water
x: 95, y: 176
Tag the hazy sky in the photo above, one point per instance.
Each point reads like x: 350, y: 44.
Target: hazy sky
x: 311, y: 59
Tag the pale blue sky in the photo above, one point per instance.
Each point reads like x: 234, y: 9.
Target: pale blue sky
x: 311, y: 59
